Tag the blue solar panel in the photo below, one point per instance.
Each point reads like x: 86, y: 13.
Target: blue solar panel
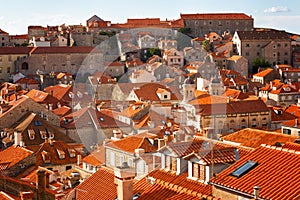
x: 246, y: 167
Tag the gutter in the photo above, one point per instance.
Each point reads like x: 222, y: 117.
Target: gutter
x: 236, y: 191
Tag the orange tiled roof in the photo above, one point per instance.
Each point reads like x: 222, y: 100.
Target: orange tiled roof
x: 148, y: 92
x: 15, y: 50
x: 276, y: 174
x: 130, y: 143
x: 27, y: 81
x: 254, y: 138
x: 168, y: 185
x: 264, y: 73
x: 13, y: 37
x: 96, y: 158
x: 216, y: 16
x: 100, y: 184
x: 62, y: 111
x: 294, y: 110
x: 12, y: 155
x: 49, y: 151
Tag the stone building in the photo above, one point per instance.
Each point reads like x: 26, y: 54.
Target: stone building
x: 271, y: 45
x: 4, y: 38
x: 57, y: 59
x: 238, y: 63
x: 201, y: 24
x: 9, y: 58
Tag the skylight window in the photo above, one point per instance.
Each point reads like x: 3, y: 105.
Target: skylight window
x: 244, y: 169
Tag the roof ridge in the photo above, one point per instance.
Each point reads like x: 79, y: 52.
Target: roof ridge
x: 283, y: 149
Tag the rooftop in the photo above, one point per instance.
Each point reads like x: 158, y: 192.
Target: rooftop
x: 276, y: 173
x: 254, y: 138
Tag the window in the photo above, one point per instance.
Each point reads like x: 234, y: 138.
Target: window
x: 130, y: 162
x: 286, y: 131
x: 2, y: 38
x: 248, y: 45
x: 258, y: 54
x: 8, y: 70
x: 0, y: 70
x: 278, y: 45
x: 286, y: 53
x: 68, y: 167
x: 24, y: 66
x: 165, y: 96
x: 247, y: 53
x: 122, y: 159
x: 112, y: 158
x: 246, y: 167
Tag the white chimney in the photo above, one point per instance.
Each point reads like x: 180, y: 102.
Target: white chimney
x: 256, y: 192
x: 18, y: 138
x: 78, y: 159
x: 139, y: 152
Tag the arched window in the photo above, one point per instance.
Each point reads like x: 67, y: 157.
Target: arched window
x: 25, y: 65
x: 231, y: 124
x: 254, y: 123
x: 243, y: 124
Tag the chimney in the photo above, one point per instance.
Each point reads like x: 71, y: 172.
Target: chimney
x: 27, y: 195
x: 41, y: 183
x: 237, y: 155
x: 47, y: 177
x: 51, y: 92
x: 78, y: 159
x: 256, y: 192
x: 18, y: 139
x: 123, y: 179
x: 139, y: 152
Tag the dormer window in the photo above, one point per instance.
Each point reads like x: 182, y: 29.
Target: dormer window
x: 72, y: 153
x: 46, y: 157
x: 61, y: 154
x: 31, y: 134
x: 43, y: 134
x: 198, y: 171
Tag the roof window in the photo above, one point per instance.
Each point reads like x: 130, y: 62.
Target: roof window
x: 244, y: 169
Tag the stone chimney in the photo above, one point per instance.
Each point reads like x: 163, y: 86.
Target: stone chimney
x: 26, y: 195
x: 123, y: 179
x: 41, y: 183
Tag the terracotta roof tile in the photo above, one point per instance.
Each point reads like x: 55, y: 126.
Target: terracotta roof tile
x: 168, y: 185
x: 100, y: 184
x: 130, y: 143
x: 276, y: 174
x: 96, y: 158
x: 254, y: 137
x: 50, y: 153
x: 13, y: 155
x: 216, y: 16
x: 263, y: 73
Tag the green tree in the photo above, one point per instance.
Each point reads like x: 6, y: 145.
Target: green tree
x: 206, y: 45
x: 185, y: 31
x: 260, y: 63
x: 155, y: 51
